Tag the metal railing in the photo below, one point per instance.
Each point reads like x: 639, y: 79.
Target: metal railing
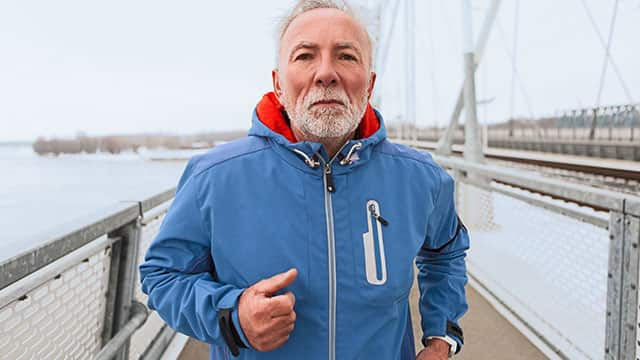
x: 77, y: 295
x: 604, y: 251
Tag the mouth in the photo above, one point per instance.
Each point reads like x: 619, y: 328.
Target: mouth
x: 328, y: 102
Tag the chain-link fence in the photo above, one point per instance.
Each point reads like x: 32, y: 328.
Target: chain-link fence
x: 560, y: 260
x: 61, y: 318
x: 68, y: 298
x: 549, y: 268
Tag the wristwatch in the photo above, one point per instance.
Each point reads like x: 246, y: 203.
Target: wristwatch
x: 453, y: 345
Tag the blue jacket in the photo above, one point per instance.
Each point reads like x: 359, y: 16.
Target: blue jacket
x: 252, y: 208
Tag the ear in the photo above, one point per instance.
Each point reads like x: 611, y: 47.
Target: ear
x: 372, y: 82
x: 277, y: 89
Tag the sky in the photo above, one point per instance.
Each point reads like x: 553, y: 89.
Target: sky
x: 144, y: 66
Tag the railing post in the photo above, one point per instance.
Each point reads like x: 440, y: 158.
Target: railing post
x: 630, y: 268
x: 621, y: 337
x: 120, y: 294
x: 614, y: 286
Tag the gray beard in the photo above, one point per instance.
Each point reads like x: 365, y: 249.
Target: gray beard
x: 325, y: 122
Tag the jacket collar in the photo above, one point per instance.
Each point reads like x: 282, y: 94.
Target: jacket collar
x: 270, y: 121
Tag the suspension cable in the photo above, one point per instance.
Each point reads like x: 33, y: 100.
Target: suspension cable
x: 384, y: 50
x: 432, y: 67
x: 614, y: 65
x: 451, y: 39
x: 519, y: 80
x: 603, y: 74
x: 514, y: 54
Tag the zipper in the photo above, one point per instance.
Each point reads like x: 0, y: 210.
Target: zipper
x: 373, y: 207
x: 329, y: 188
x: 374, y: 220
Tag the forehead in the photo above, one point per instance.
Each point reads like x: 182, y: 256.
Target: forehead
x: 324, y: 27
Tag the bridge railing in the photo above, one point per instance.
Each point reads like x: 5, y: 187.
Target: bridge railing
x: 605, y: 132
x: 558, y: 259
x: 77, y: 295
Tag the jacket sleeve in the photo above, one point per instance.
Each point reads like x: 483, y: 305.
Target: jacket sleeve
x: 178, y: 273
x: 441, y: 267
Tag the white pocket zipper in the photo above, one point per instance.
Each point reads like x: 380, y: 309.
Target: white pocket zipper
x: 373, y: 216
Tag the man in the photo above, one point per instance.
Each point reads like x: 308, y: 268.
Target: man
x: 299, y: 240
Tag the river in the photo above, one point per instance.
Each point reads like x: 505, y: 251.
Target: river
x: 39, y: 194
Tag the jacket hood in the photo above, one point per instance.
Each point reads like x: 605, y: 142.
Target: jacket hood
x: 270, y: 121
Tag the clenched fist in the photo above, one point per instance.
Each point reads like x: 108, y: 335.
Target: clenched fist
x: 267, y: 320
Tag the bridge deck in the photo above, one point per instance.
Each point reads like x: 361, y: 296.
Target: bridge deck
x: 488, y: 335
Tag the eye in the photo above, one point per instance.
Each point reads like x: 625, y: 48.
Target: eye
x: 303, y: 57
x: 348, y: 57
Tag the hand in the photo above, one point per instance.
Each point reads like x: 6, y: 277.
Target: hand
x: 437, y: 349
x: 266, y: 320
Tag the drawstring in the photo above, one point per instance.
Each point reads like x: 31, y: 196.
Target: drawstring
x: 313, y: 163
x: 347, y: 159
x: 307, y: 160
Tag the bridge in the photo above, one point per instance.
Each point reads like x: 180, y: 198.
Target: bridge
x: 551, y: 204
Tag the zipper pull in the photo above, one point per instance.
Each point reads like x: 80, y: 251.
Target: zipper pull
x: 331, y: 187
x: 378, y: 217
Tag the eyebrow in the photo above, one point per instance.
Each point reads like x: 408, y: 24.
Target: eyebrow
x: 349, y: 46
x: 311, y: 46
x: 302, y: 45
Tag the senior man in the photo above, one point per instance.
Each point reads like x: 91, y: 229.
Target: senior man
x: 299, y: 240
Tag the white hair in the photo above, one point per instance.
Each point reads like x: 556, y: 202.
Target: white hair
x: 303, y: 6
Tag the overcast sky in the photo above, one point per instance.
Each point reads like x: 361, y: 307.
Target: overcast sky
x: 182, y: 67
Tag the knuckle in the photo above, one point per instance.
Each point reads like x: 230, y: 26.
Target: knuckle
x: 289, y: 304
x: 289, y: 300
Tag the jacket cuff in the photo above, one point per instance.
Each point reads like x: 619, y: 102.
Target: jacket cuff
x: 228, y: 308
x: 235, y: 318
x: 229, y: 300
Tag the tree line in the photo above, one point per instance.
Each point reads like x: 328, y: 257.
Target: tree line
x: 115, y: 144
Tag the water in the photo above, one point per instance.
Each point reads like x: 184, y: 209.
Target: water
x: 38, y: 194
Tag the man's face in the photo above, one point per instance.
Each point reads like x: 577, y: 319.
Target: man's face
x: 324, y: 78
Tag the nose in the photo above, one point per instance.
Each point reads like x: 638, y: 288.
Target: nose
x: 326, y: 75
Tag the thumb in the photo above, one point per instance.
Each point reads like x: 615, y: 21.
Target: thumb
x: 277, y: 282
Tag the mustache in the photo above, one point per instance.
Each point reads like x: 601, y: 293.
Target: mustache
x: 329, y: 95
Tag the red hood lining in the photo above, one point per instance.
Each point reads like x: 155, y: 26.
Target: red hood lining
x: 271, y: 113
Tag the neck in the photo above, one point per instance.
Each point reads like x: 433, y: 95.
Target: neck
x: 332, y: 145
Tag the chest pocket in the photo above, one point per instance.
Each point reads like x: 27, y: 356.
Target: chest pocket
x: 384, y: 269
